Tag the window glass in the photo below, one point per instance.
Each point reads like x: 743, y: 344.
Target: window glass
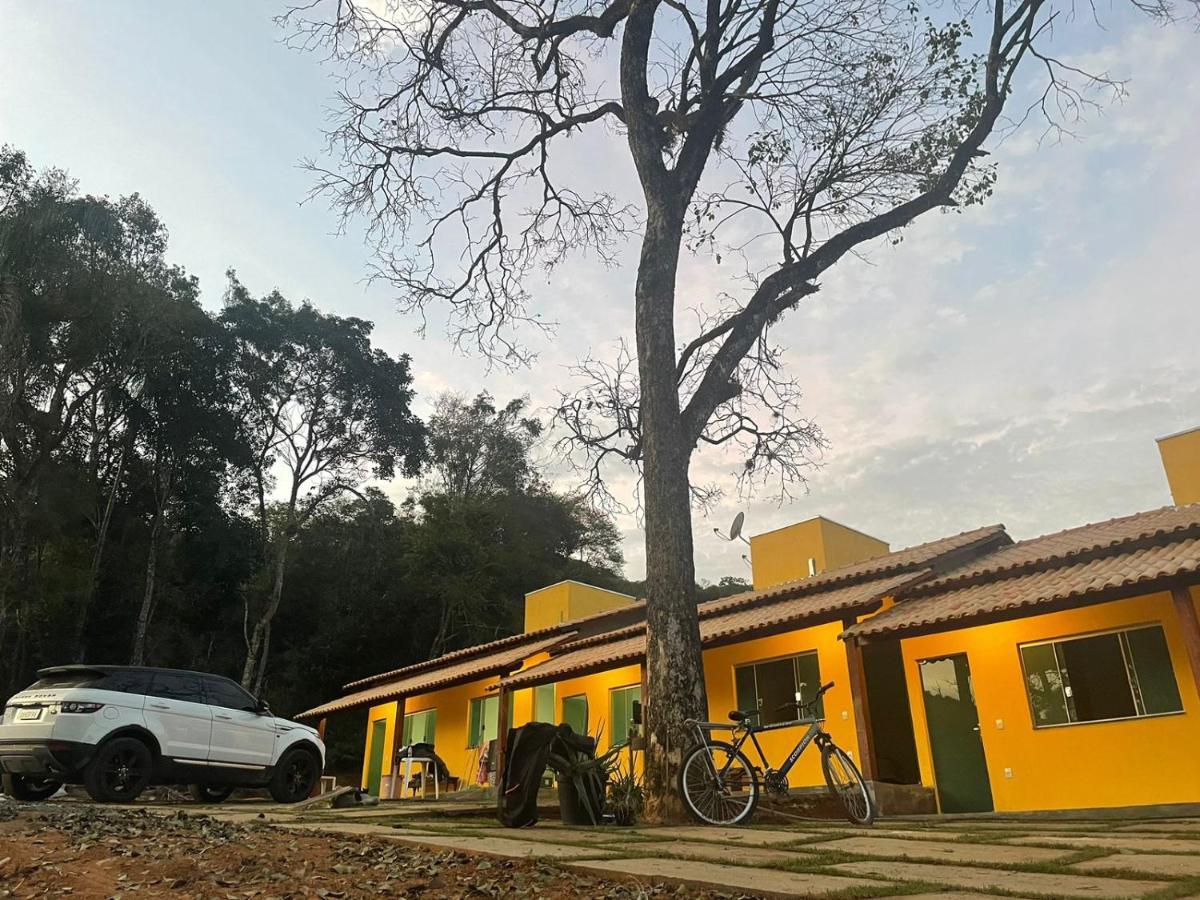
x: 621, y: 711
x: 1097, y: 679
x: 543, y: 703
x: 177, y: 686
x: 71, y: 680
x: 1117, y: 675
x: 129, y: 681
x: 771, y: 687
x: 228, y: 695
x: 1044, y: 683
x: 419, y: 727
x: 747, y: 693
x: 1152, y: 663
x: 485, y: 714
x: 575, y: 713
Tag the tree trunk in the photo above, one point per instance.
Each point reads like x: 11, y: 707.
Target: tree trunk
x: 258, y: 637
x: 674, y: 669
x: 80, y: 644
x: 138, y: 657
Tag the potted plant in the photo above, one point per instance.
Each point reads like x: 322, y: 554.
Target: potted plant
x: 625, y: 798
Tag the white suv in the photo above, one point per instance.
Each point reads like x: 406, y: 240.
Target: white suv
x: 118, y: 729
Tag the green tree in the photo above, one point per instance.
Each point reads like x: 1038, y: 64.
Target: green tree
x: 325, y: 410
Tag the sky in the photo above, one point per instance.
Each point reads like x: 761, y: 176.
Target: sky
x: 1012, y: 363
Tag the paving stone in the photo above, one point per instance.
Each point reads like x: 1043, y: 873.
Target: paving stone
x: 359, y: 828
x: 998, y: 879
x: 1171, y: 865
x: 715, y: 852
x: 489, y: 846
x: 1183, y: 827
x: 586, y: 836
x: 949, y: 895
x: 768, y: 882
x: 1115, y: 841
x: 926, y: 834
x: 750, y: 837
x: 968, y: 853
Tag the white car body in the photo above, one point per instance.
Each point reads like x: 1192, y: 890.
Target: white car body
x: 201, y: 729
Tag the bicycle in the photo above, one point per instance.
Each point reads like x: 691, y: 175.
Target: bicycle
x: 719, y: 785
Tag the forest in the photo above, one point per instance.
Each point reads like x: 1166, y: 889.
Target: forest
x: 213, y: 489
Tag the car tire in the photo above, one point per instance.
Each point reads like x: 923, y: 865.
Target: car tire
x: 30, y: 790
x: 119, y: 771
x: 295, y: 775
x: 210, y: 793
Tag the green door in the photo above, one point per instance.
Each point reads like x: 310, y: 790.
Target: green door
x: 959, y: 765
x: 375, y: 766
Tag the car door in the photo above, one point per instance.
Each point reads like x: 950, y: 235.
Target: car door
x: 241, y: 737
x: 177, y: 714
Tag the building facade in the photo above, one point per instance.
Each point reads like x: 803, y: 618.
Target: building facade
x: 1057, y: 673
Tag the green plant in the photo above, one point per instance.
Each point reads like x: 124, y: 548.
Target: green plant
x: 626, y: 800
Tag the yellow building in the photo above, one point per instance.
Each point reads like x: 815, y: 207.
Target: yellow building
x: 1059, y: 672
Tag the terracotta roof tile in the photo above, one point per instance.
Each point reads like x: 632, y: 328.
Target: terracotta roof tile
x: 1113, y: 558
x: 500, y: 661
x: 1098, y: 537
x: 743, y: 620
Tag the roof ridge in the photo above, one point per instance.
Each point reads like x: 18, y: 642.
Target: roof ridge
x: 981, y: 571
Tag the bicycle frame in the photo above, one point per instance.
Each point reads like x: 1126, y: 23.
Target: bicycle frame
x: 815, y: 733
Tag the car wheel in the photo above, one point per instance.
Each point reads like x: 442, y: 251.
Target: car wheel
x: 295, y: 776
x: 210, y: 793
x: 29, y: 789
x: 119, y: 772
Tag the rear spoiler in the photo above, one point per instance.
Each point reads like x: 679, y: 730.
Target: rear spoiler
x: 75, y: 669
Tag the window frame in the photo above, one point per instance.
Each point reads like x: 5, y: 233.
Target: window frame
x: 819, y: 712
x: 587, y: 711
x: 1130, y: 668
x: 405, y: 728
x: 483, y: 699
x: 533, y: 701
x: 612, y: 731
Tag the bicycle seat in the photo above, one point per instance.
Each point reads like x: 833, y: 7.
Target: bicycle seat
x: 738, y: 716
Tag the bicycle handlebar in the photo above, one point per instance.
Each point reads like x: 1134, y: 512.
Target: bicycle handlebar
x: 805, y: 704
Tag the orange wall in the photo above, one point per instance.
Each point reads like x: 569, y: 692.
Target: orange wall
x: 1099, y: 764
x: 1181, y: 461
x: 782, y: 555
x: 719, y: 664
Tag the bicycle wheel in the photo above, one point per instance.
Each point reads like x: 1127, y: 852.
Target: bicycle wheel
x: 718, y: 784
x: 847, y: 785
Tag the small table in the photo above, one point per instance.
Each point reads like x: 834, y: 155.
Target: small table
x: 426, y: 764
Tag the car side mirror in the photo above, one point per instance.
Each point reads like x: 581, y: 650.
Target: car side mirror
x: 260, y: 707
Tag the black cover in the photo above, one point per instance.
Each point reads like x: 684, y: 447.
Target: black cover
x: 524, y: 764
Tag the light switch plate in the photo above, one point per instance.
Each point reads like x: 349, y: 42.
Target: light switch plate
x: 999, y: 724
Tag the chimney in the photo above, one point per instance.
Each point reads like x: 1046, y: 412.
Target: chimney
x: 1181, y: 460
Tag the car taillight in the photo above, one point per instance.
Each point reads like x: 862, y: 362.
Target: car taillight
x: 72, y: 706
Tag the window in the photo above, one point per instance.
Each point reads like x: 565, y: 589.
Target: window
x: 1094, y: 678
x: 221, y: 692
x: 771, y: 685
x: 183, y: 686
x: 485, y: 715
x: 620, y: 705
x: 575, y: 713
x: 543, y: 703
x: 419, y: 727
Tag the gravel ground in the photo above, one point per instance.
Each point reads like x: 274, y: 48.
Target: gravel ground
x: 81, y: 851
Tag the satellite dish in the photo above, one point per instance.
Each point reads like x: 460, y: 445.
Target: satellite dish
x: 735, y: 530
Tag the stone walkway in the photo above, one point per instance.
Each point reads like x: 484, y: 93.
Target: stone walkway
x: 948, y: 859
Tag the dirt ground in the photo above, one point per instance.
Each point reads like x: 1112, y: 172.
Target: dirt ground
x: 92, y: 853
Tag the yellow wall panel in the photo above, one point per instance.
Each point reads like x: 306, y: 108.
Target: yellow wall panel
x: 1181, y: 460
x: 1131, y: 762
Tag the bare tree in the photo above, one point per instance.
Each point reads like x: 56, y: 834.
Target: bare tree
x: 782, y: 133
